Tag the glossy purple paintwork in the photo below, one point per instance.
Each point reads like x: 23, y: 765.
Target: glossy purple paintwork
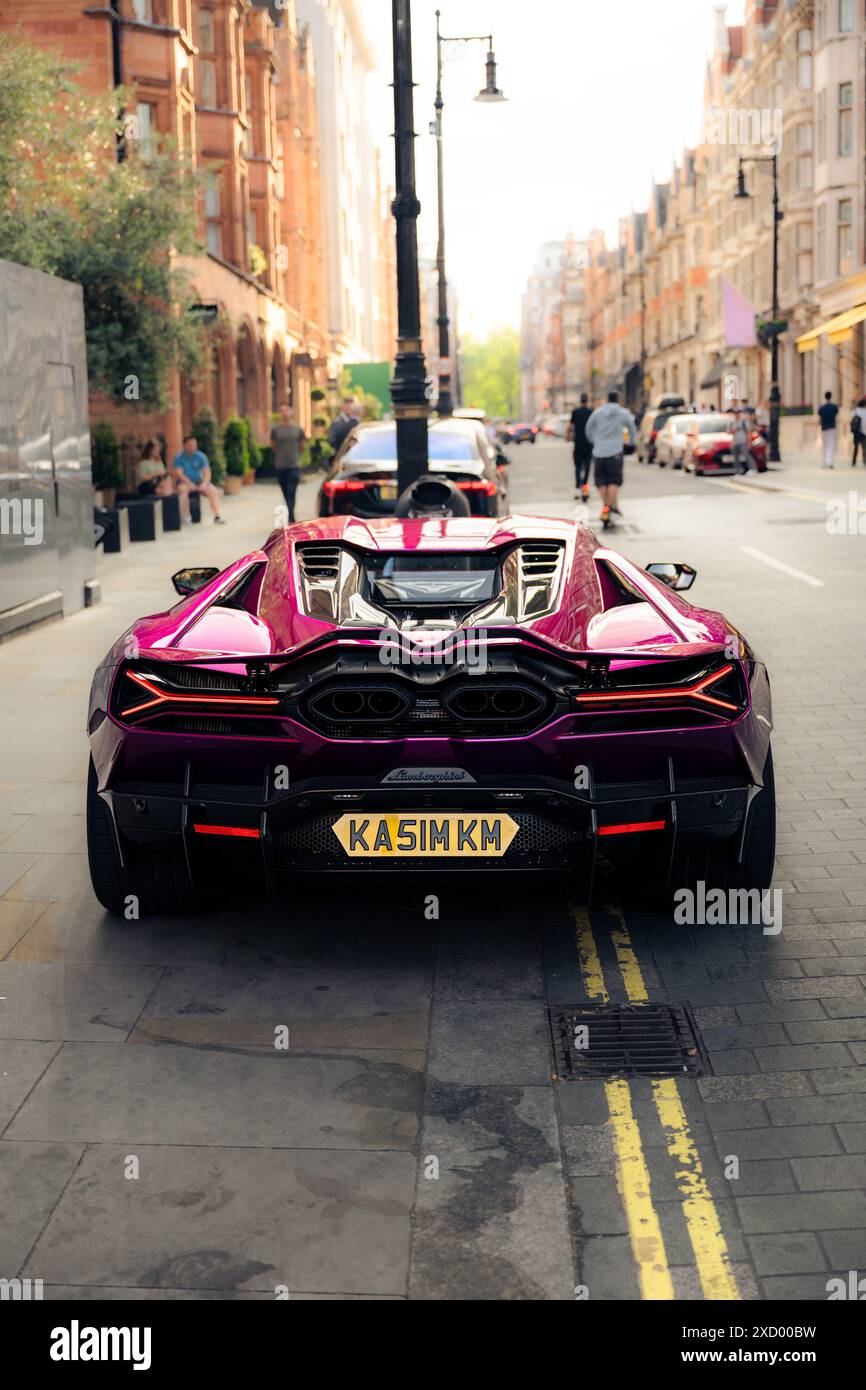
x: 585, y: 620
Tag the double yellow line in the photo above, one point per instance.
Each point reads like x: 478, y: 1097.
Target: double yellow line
x: 633, y: 1179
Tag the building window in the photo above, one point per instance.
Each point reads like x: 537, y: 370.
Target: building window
x: 207, y: 82
x: 804, y: 254
x: 822, y: 127
x: 142, y: 10
x: 844, y: 236
x: 206, y: 41
x: 213, y: 215
x: 820, y: 247
x: 804, y: 59
x: 846, y: 117
x: 145, y: 115
x: 846, y: 16
x: 804, y: 156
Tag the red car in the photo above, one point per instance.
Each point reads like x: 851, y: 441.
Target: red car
x: 710, y: 447
x: 518, y: 434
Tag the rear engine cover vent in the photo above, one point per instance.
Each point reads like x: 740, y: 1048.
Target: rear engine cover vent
x: 319, y: 562
x: 627, y: 1040
x: 540, y: 559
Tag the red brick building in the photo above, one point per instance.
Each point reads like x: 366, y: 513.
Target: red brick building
x: 234, y: 85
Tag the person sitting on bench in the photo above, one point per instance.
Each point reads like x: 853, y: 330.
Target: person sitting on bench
x: 192, y: 471
x: 151, y: 474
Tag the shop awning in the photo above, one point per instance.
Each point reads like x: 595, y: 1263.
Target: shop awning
x: 715, y: 374
x: 837, y: 330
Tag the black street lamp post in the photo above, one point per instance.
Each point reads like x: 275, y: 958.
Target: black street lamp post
x: 775, y: 393
x: 489, y: 92
x: 409, y: 384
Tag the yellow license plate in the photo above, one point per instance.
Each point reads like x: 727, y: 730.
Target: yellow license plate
x: 450, y: 835
x: 388, y: 492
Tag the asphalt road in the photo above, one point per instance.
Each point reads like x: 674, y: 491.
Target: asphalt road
x: 416, y: 1139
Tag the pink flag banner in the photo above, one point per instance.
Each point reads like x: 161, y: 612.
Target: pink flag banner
x: 739, y: 316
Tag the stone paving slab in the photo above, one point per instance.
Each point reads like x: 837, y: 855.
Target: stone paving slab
x: 216, y: 1219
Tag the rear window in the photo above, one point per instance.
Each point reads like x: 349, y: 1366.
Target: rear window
x: 382, y: 445
x: 435, y: 579
x: 714, y: 424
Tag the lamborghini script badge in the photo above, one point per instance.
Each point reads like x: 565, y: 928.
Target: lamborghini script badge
x: 450, y: 835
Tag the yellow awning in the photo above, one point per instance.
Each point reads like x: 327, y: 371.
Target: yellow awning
x: 838, y: 329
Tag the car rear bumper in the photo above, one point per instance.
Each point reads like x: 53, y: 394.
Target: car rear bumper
x: 231, y: 831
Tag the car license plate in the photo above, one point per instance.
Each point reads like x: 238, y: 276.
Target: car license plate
x: 726, y: 458
x: 451, y: 835
x: 388, y: 492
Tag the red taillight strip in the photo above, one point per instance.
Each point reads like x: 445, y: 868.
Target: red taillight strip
x: 241, y: 831
x: 689, y: 692
x: 478, y: 485
x: 162, y: 697
x: 631, y: 827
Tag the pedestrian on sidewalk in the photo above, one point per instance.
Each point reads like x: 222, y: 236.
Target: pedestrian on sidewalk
x: 288, y: 440
x: 741, y: 436
x: 192, y: 473
x: 858, y: 431
x: 151, y: 475
x: 827, y: 415
x: 605, y: 430
x: 344, y: 423
x: 576, y: 432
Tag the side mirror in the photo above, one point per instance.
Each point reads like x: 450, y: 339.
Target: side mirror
x: 678, y: 577
x: 189, y: 581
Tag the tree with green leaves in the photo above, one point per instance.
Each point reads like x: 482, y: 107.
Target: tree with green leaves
x: 70, y: 207
x: 491, y: 372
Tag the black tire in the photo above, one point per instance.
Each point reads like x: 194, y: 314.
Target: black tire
x: 158, y: 878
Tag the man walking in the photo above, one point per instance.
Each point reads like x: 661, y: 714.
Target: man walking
x: 605, y: 430
x: 576, y: 432
x: 344, y: 423
x: 192, y: 472
x: 827, y: 415
x: 288, y: 439
x: 858, y: 431
x: 741, y: 435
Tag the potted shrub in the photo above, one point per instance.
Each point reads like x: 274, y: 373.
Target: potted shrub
x: 207, y: 433
x: 236, y: 454
x: 106, y: 464
x: 254, y: 453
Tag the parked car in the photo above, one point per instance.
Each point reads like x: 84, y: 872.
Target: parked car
x: 363, y: 477
x: 652, y: 422
x: 519, y: 433
x: 709, y: 446
x: 425, y: 687
x: 672, y: 438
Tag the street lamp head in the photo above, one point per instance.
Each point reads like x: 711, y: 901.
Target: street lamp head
x: 742, y: 191
x: 490, y: 91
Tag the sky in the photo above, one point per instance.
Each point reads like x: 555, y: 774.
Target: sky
x: 603, y: 95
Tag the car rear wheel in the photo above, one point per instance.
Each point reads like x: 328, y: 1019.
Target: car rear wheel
x: 152, y: 882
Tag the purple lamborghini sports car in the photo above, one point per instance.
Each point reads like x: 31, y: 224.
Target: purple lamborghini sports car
x: 470, y: 695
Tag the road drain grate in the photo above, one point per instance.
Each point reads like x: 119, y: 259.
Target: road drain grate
x: 627, y: 1040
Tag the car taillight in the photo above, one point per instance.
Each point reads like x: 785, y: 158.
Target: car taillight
x: 703, y: 690
x: 653, y: 434
x: 137, y: 693
x: 478, y: 485
x: 343, y: 485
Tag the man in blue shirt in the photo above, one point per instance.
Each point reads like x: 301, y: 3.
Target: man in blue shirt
x: 192, y: 473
